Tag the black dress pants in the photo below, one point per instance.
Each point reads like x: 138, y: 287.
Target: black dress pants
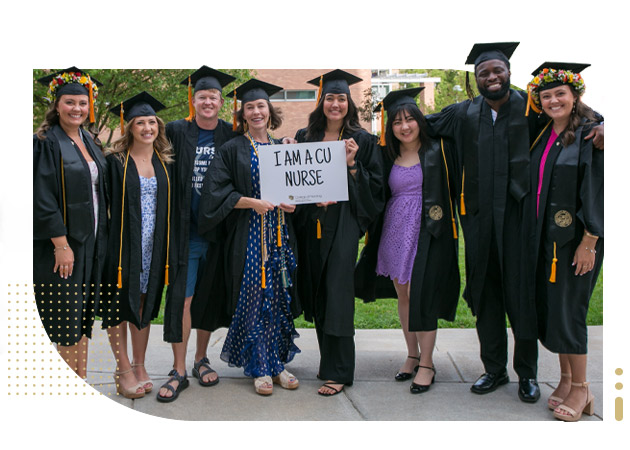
x: 491, y: 326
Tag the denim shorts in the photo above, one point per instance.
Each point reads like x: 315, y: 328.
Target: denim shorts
x: 196, y: 260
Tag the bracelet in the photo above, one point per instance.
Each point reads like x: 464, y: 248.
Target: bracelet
x: 63, y: 247
x: 592, y: 250
x: 354, y: 166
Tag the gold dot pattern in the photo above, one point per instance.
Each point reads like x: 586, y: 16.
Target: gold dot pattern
x: 619, y: 400
x: 34, y: 364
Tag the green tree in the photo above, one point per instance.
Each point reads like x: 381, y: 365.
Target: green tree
x: 120, y: 84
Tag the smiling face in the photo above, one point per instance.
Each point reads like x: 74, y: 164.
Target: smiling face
x: 207, y: 103
x: 558, y: 102
x: 493, y: 79
x: 73, y: 110
x: 335, y: 106
x: 256, y: 114
x: 144, y: 129
x: 406, y: 129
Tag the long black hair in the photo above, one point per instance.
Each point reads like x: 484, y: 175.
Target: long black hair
x: 317, y: 120
x: 393, y: 144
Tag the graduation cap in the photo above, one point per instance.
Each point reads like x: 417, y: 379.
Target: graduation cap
x: 142, y: 104
x: 208, y: 78
x: 334, y: 82
x: 495, y: 50
x: 204, y: 78
x: 553, y: 74
x: 393, y: 100
x: 251, y: 90
x: 72, y: 81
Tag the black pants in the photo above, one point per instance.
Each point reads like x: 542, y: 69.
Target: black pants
x: 491, y: 327
x: 337, y: 356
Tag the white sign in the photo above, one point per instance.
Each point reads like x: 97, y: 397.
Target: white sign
x: 310, y: 172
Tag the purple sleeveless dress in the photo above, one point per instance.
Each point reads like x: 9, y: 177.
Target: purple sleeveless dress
x: 401, y: 227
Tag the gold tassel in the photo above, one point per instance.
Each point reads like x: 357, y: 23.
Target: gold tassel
x: 264, y: 281
x: 319, y: 92
x: 234, y: 112
x: 122, y: 218
x: 454, y: 228
x: 166, y: 275
x: 92, y: 120
x: 382, y: 141
x: 122, y: 120
x: 191, y: 108
x: 279, y: 235
x: 530, y: 103
x: 552, y: 277
x: 462, y: 204
x: 448, y: 186
x: 365, y: 242
x: 319, y: 229
x: 119, y: 277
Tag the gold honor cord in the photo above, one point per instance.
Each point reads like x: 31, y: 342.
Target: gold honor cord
x: 63, y: 192
x: 263, y: 248
x: 319, y: 224
x: 448, y: 185
x: 168, y: 220
x: 540, y: 135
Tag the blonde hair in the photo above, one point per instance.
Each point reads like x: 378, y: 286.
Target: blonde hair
x: 161, y: 144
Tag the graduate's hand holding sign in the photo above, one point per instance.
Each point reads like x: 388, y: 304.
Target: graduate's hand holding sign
x: 314, y: 172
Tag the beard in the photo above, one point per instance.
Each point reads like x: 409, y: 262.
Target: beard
x: 496, y: 95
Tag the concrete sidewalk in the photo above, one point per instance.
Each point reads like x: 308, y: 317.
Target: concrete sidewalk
x: 374, y: 396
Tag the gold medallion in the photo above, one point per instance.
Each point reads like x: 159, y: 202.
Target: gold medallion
x: 563, y: 218
x: 435, y: 212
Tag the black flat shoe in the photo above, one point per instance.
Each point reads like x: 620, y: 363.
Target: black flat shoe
x: 528, y: 390
x: 420, y: 388
x: 404, y: 376
x: 489, y: 382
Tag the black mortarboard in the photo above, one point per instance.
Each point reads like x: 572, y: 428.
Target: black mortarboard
x: 572, y: 67
x: 254, y: 90
x: 74, y: 87
x: 208, y: 78
x: 494, y: 50
x: 397, y: 98
x: 142, y: 104
x: 334, y: 82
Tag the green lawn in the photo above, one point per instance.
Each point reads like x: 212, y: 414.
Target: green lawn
x: 383, y: 313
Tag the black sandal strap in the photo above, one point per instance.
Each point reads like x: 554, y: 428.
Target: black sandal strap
x: 414, y: 357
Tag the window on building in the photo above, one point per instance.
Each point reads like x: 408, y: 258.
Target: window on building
x: 294, y: 96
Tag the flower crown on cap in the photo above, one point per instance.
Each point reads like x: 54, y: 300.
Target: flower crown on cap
x: 546, y: 76
x: 70, y: 77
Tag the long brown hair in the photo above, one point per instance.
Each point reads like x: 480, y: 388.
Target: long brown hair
x: 161, y: 144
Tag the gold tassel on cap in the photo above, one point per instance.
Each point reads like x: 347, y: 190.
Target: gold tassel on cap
x: 119, y: 285
x: 552, y: 277
x: 234, y: 113
x: 191, y: 108
x: 531, y: 104
x: 382, y: 141
x: 365, y: 242
x: 319, y: 92
x: 122, y: 123
x: 91, y: 96
x: 319, y: 229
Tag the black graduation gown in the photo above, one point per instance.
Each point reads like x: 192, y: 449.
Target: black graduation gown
x: 571, y: 199
x: 67, y: 307
x: 434, y: 290
x: 228, y: 181
x: 184, y: 135
x: 493, y: 176
x: 123, y: 304
x: 326, y: 265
